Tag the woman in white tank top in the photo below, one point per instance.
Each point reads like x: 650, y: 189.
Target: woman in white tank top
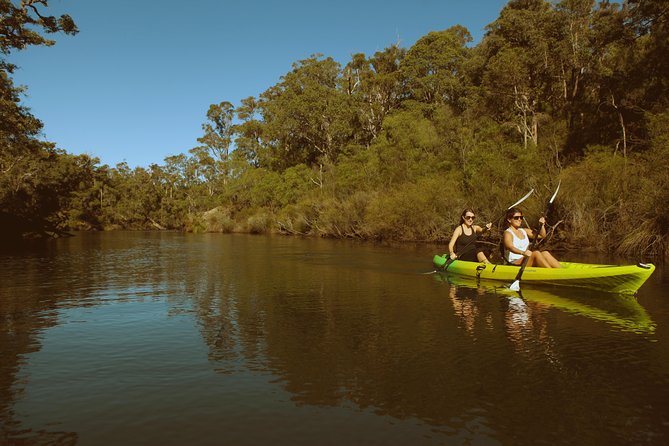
x: 517, y: 240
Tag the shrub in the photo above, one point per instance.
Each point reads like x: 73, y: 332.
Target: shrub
x: 260, y: 222
x: 297, y: 218
x: 218, y: 220
x: 195, y: 224
x: 412, y: 212
x: 344, y: 217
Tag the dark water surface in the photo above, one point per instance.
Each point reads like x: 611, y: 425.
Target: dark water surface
x: 167, y: 338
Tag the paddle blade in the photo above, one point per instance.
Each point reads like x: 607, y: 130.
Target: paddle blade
x: 515, y: 286
x: 555, y: 194
x: 521, y: 200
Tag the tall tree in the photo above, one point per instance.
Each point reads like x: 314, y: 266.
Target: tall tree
x: 434, y: 67
x: 248, y: 142
x: 650, y: 20
x: 26, y: 164
x: 376, y: 85
x: 218, y: 131
x: 307, y: 115
x: 518, y: 39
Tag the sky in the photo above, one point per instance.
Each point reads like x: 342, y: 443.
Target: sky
x: 136, y: 82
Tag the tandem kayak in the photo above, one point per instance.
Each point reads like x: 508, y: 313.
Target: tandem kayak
x: 611, y: 278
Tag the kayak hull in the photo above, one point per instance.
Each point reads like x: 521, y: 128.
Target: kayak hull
x: 625, y: 279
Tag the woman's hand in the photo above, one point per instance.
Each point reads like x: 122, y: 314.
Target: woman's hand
x: 542, y: 229
x: 488, y: 226
x: 454, y: 256
x: 527, y: 253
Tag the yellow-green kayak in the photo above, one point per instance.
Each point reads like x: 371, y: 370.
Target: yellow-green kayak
x: 611, y: 278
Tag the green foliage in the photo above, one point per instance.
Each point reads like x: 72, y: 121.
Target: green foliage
x: 295, y: 182
x: 409, y: 146
x: 20, y: 25
x: 434, y: 67
x: 218, y: 220
x: 257, y: 188
x: 260, y: 222
x: 297, y: 218
x: 593, y: 195
x: 396, y: 145
x: 306, y: 115
x: 344, y: 217
x: 36, y: 180
x: 412, y: 211
x: 651, y: 195
x: 355, y: 172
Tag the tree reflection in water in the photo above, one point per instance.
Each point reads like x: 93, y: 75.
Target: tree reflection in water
x: 343, y: 327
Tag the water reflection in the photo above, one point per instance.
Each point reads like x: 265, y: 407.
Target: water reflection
x: 329, y: 332
x: 621, y: 311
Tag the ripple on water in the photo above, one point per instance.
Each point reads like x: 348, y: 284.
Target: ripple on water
x: 176, y: 337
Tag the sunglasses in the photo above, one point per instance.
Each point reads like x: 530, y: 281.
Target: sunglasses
x: 517, y: 217
x: 470, y: 217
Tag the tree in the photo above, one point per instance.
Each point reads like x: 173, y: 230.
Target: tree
x: 19, y: 27
x: 307, y: 116
x: 217, y: 138
x: 376, y: 86
x: 650, y: 21
x: 516, y: 96
x: 27, y: 165
x: 248, y: 142
x: 434, y: 67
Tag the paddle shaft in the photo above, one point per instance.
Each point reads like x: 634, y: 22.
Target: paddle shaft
x: 526, y: 259
x: 516, y: 283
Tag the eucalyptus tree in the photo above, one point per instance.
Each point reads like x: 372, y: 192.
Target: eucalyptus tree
x: 248, y: 133
x: 635, y: 79
x: 592, y: 51
x: 650, y: 22
x: 205, y: 168
x: 146, y: 193
x: 308, y: 118
x: 376, y: 84
x: 22, y: 21
x: 20, y: 27
x: 434, y: 67
x: 217, y: 138
x: 615, y: 70
x: 27, y: 185
x: 517, y: 59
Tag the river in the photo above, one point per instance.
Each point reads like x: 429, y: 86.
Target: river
x: 169, y: 338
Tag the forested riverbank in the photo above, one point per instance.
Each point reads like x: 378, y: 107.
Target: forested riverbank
x: 392, y: 145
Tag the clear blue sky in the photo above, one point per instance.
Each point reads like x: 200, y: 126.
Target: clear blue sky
x: 136, y: 82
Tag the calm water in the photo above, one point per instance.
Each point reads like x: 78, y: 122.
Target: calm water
x: 166, y: 338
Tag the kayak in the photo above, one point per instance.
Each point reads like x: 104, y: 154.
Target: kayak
x: 619, y: 310
x: 625, y: 279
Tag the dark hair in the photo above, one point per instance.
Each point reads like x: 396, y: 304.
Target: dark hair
x: 462, y: 216
x: 510, y: 213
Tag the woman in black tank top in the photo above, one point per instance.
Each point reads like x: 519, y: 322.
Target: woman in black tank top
x: 463, y: 242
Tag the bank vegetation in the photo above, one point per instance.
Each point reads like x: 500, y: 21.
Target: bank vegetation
x: 393, y: 146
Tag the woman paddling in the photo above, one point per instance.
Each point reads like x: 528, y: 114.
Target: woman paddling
x: 463, y: 242
x: 517, y: 240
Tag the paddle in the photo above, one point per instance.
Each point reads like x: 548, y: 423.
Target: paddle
x: 515, y: 286
x: 467, y: 247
